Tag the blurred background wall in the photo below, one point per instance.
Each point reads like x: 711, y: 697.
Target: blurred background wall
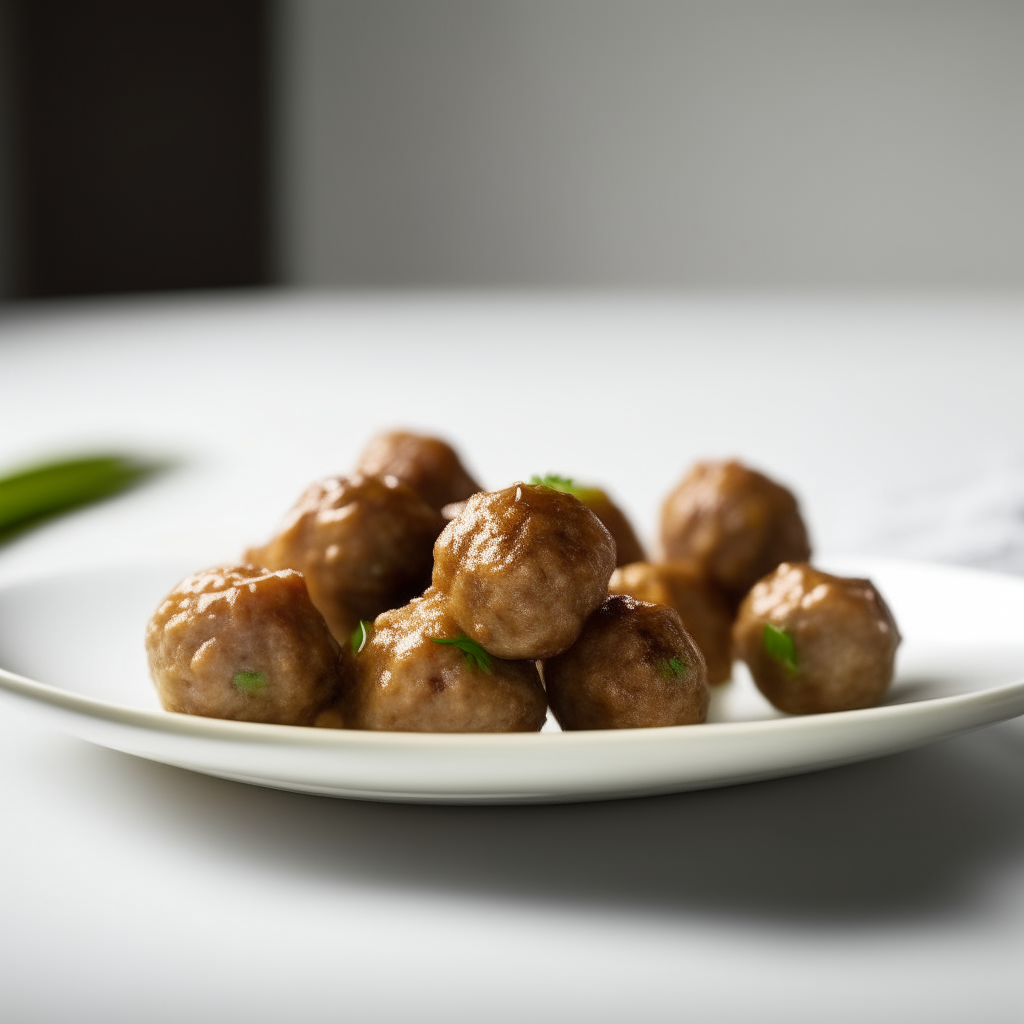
x: 416, y: 143
x: 640, y: 142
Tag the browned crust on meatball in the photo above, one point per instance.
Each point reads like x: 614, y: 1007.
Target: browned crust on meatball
x: 405, y: 682
x: 523, y: 568
x: 683, y: 585
x: 430, y: 466
x: 364, y: 544
x: 243, y: 643
x: 633, y: 666
x: 735, y: 522
x: 843, y: 635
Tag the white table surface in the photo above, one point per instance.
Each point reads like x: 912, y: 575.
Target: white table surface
x: 888, y: 891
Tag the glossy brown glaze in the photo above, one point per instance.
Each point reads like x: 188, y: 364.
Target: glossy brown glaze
x: 244, y: 643
x: 430, y: 466
x: 523, y: 568
x: 634, y: 666
x: 843, y: 635
x: 683, y: 585
x: 364, y: 544
x: 735, y: 522
x: 405, y: 682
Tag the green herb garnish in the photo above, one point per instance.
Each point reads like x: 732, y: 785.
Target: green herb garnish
x: 674, y: 667
x: 778, y: 645
x: 34, y: 494
x: 250, y: 682
x: 567, y: 485
x: 476, y: 656
x: 362, y: 631
x: 555, y: 482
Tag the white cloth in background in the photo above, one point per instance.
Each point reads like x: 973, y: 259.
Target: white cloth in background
x: 978, y: 521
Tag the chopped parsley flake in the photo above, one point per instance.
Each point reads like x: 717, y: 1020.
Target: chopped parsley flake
x: 250, y: 682
x: 674, y: 667
x: 567, y: 485
x: 475, y: 655
x: 555, y: 482
x: 359, y: 637
x: 778, y: 645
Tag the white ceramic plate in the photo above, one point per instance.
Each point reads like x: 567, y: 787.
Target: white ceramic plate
x: 80, y: 634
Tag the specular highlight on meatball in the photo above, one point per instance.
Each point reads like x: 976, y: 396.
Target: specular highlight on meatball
x: 417, y: 672
x: 627, y: 547
x: 523, y: 568
x: 245, y: 643
x: 634, y: 666
x: 706, y: 614
x: 737, y: 523
x: 363, y: 543
x: 430, y: 466
x: 815, y: 642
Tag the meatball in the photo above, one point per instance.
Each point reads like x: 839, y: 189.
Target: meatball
x: 241, y: 642
x: 634, y: 666
x: 428, y: 465
x: 364, y: 544
x: 627, y: 547
x: 523, y: 568
x: 735, y: 522
x: 705, y: 612
x: 816, y: 642
x: 416, y: 672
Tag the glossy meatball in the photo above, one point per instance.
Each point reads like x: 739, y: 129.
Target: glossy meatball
x: 705, y: 612
x: 735, y: 522
x: 816, y: 642
x: 428, y: 465
x: 523, y: 568
x: 364, y: 544
x: 241, y: 642
x: 627, y: 547
x: 634, y: 666
x: 406, y: 681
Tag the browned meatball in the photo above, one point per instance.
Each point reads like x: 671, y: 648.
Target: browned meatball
x: 418, y: 673
x: 705, y: 612
x: 627, y: 547
x: 428, y: 465
x: 241, y: 642
x: 816, y: 642
x: 633, y: 667
x: 735, y: 522
x: 363, y: 543
x: 523, y: 568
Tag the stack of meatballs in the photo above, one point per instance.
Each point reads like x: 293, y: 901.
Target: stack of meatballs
x: 405, y: 598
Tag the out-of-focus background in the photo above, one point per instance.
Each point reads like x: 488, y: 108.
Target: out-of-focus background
x: 791, y: 144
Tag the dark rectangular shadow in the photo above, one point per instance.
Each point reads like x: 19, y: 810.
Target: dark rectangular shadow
x: 141, y: 145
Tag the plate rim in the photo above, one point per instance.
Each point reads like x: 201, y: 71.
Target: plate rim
x: 230, y: 730
x: 31, y: 691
